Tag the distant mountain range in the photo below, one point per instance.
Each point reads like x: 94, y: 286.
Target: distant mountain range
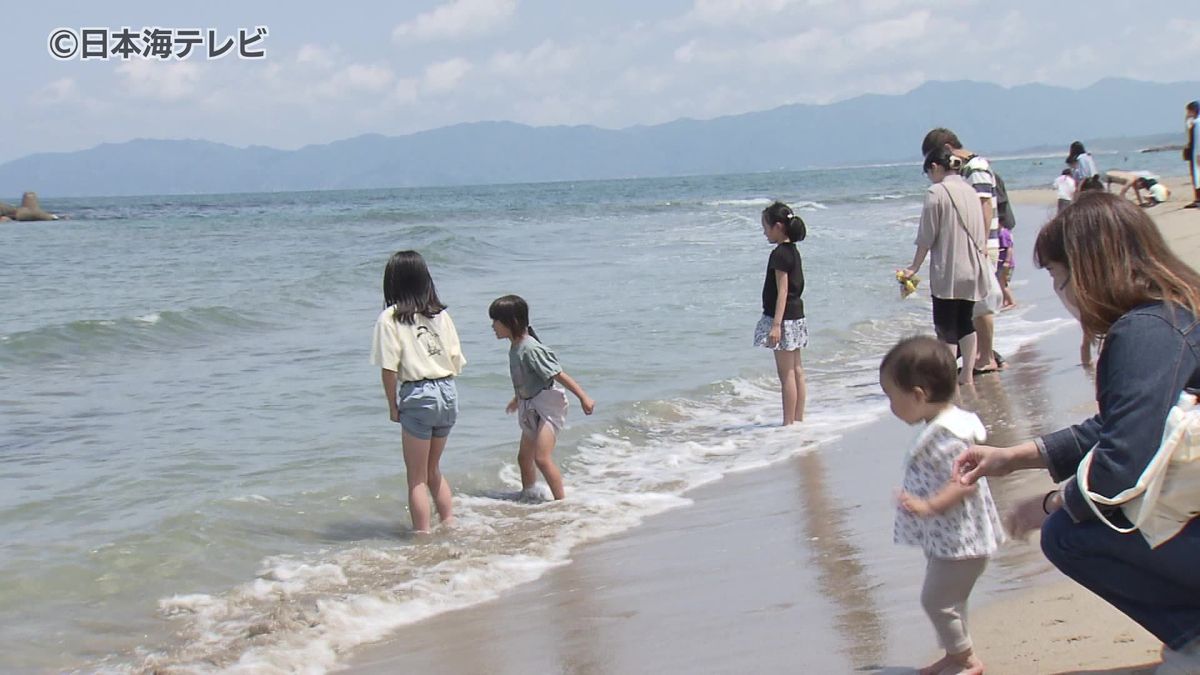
x: 866, y: 129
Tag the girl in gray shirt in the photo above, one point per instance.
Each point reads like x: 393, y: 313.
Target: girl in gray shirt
x: 538, y: 400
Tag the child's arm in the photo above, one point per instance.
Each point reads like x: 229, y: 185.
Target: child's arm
x: 951, y: 495
x: 512, y: 405
x: 781, y: 283
x: 389, y: 390
x: 572, y: 386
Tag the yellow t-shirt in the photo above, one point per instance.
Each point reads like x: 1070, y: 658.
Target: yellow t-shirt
x: 426, y: 349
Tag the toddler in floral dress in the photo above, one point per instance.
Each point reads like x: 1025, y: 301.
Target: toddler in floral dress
x: 956, y: 526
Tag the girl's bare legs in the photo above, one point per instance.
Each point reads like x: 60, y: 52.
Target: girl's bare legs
x: 801, y: 387
x: 543, y: 457
x: 785, y: 366
x: 984, y: 338
x: 968, y: 347
x: 526, y: 457
x: 416, y: 465
x: 1009, y: 301
x: 439, y: 487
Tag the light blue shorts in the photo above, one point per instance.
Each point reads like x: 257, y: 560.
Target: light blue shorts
x: 428, y: 408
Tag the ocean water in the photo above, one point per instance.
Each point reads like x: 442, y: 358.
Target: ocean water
x: 197, y: 471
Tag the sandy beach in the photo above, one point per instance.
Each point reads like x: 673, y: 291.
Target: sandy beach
x: 714, y: 587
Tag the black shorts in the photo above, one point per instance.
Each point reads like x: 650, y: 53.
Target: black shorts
x: 952, y: 319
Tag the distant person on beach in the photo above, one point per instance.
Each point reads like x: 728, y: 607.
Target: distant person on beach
x: 417, y: 347
x: 1005, y: 267
x: 978, y: 173
x: 1083, y: 166
x: 538, y: 399
x: 1066, y: 188
x: 783, y: 328
x: 1191, y: 148
x: 951, y: 233
x: 1113, y: 270
x: 1156, y: 192
x: 957, y: 526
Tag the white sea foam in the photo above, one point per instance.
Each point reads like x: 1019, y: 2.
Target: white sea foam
x: 304, y: 615
x: 752, y: 201
x: 809, y: 206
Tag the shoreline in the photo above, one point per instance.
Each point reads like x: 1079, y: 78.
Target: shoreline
x: 717, y: 586
x: 726, y: 584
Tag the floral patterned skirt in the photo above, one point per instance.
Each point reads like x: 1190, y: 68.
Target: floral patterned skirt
x: 793, y: 334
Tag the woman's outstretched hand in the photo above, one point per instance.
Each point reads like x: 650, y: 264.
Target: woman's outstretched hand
x: 979, y: 461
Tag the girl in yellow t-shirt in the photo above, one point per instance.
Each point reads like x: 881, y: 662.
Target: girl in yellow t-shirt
x: 417, y: 348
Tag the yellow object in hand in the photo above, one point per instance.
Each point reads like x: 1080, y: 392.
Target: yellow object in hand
x: 908, y: 285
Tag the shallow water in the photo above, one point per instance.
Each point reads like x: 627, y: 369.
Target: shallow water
x: 198, y: 469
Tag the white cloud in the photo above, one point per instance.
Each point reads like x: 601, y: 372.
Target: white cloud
x: 406, y: 92
x: 721, y: 12
x: 1186, y: 35
x: 59, y: 91
x: 891, y: 33
x: 316, y: 55
x: 366, y: 78
x: 457, y: 19
x: 445, y: 76
x: 645, y: 80
x: 159, y: 80
x: 548, y: 58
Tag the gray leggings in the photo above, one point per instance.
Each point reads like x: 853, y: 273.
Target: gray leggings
x: 948, y: 584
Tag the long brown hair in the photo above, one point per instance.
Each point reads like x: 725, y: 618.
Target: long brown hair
x: 1117, y: 259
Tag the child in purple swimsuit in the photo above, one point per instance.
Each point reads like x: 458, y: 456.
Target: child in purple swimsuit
x: 1004, y: 267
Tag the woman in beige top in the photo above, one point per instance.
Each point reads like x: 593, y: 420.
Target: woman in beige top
x: 953, y: 234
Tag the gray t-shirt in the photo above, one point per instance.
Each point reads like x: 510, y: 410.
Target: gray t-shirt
x: 533, y: 367
x: 955, y: 252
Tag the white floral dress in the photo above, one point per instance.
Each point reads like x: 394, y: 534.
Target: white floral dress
x: 971, y: 529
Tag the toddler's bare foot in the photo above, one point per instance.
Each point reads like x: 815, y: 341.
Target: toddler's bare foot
x: 968, y: 663
x: 938, y: 666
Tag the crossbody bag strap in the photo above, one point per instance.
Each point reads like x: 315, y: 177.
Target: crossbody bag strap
x: 962, y: 223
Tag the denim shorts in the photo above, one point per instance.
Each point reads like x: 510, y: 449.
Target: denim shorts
x: 428, y: 408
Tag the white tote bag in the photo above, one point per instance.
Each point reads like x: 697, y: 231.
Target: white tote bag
x: 1167, y: 494
x: 995, y: 295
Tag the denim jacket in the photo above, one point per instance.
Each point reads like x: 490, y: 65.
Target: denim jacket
x: 1149, y: 356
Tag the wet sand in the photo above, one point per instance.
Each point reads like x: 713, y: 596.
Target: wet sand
x: 791, y: 568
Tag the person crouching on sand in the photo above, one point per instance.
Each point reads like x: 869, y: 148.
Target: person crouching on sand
x: 1113, y: 270
x: 957, y: 526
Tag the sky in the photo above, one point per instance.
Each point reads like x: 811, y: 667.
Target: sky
x: 337, y: 70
